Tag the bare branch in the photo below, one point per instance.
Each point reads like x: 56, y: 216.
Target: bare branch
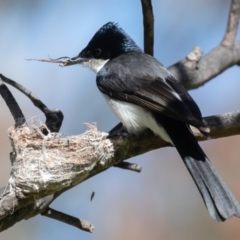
x: 38, y: 103
x: 65, y: 218
x: 54, y: 117
x: 148, y: 24
x: 193, y: 74
x: 12, y: 104
x: 232, y: 27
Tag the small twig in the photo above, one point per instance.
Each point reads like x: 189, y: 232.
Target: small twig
x: 50, y: 60
x: 54, y: 117
x: 148, y: 24
x: 65, y: 218
x: 12, y: 104
x: 62, y: 61
x: 232, y: 27
x: 129, y: 166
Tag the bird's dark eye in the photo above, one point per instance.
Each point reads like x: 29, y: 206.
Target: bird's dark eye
x: 85, y: 54
x: 97, y: 52
x: 88, y: 54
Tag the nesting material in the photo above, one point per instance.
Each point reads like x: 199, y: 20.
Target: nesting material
x: 50, y: 163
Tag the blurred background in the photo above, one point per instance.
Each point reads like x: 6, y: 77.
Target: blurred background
x: 162, y: 201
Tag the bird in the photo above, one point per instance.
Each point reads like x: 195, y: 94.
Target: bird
x: 145, y: 95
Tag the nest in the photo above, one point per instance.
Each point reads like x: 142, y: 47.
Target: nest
x: 50, y: 163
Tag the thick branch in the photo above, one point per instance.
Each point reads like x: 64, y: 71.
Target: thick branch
x: 194, y: 72
x: 52, y: 157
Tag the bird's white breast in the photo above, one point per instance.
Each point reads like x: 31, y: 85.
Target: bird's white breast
x: 136, y: 118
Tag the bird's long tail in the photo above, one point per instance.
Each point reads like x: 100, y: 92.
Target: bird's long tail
x: 218, y: 199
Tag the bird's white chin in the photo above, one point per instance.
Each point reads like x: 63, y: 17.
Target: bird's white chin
x: 95, y: 64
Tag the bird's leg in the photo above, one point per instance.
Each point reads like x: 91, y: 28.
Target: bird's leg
x: 118, y: 130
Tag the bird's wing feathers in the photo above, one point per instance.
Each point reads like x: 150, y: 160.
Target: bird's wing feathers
x: 156, y: 90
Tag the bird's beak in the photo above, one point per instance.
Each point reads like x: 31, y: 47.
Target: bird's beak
x: 65, y: 61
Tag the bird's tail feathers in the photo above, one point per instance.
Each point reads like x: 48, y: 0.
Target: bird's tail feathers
x: 218, y: 199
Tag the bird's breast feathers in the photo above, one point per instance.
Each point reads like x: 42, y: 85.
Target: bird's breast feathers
x: 135, y: 118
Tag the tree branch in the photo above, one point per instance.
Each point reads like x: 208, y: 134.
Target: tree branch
x: 12, y: 104
x: 232, y: 27
x: 54, y: 118
x: 148, y: 25
x: 194, y: 71
x: 65, y: 218
x: 65, y: 162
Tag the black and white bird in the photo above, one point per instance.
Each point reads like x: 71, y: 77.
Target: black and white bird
x: 144, y: 94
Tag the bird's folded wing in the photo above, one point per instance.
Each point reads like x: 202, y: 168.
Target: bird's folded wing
x: 162, y: 95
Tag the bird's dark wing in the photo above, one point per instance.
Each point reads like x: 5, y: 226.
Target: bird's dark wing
x: 142, y: 80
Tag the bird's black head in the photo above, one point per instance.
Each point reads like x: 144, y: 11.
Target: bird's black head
x: 109, y: 41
